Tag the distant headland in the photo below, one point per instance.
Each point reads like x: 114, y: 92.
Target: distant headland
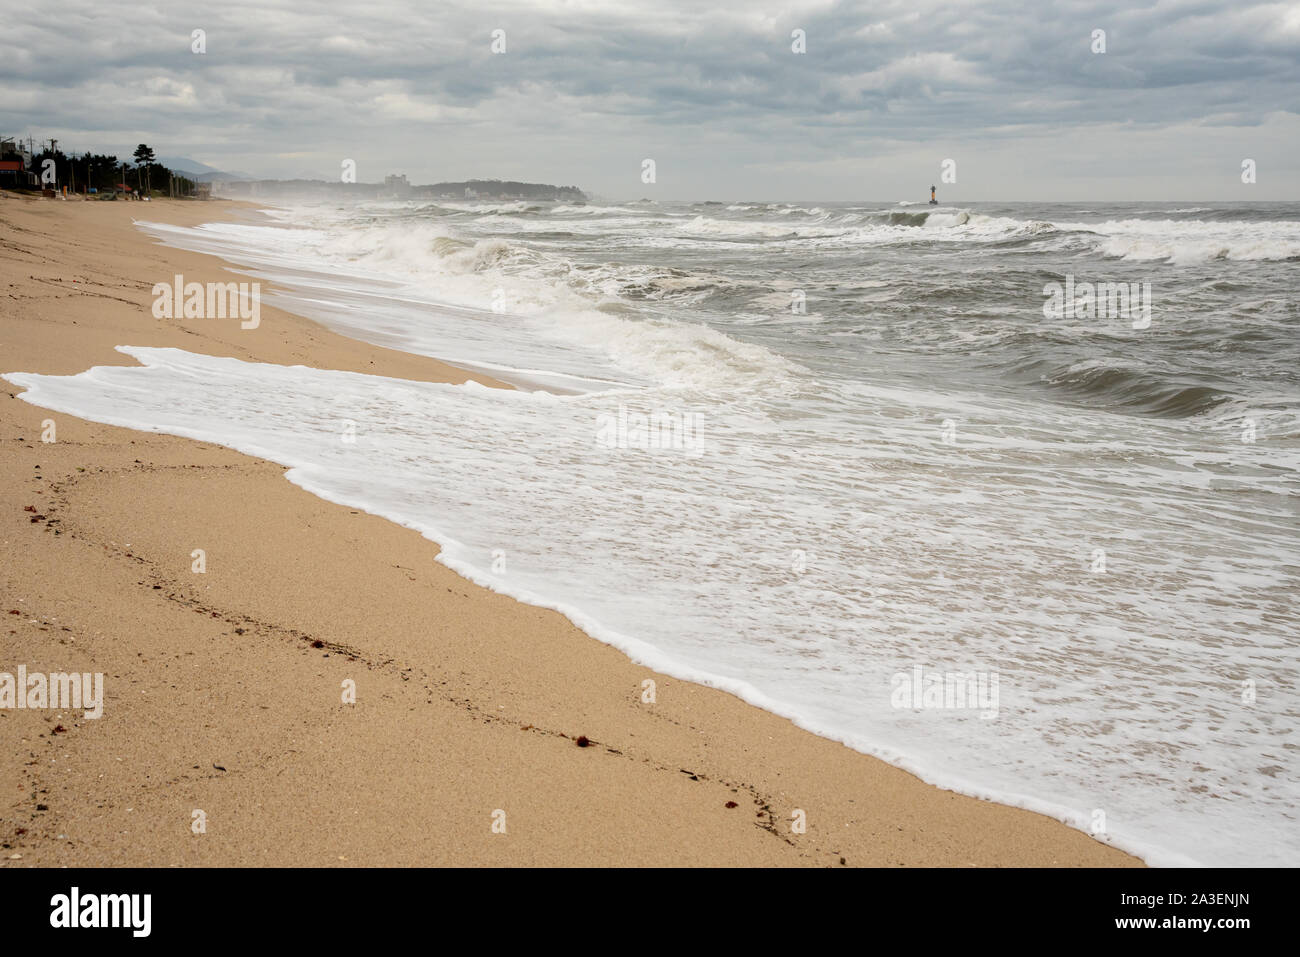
x: 397, y: 187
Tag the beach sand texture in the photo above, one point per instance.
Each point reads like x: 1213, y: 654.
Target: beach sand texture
x: 224, y: 689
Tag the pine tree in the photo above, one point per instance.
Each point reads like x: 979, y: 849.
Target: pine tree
x: 143, y: 157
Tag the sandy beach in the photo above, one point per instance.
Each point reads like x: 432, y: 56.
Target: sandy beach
x: 223, y: 690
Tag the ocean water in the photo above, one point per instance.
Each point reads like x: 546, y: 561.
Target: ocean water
x: 817, y: 454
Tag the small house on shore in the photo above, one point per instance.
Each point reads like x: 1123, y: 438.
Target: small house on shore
x: 13, y: 175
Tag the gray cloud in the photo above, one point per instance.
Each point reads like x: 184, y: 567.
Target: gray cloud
x: 586, y: 90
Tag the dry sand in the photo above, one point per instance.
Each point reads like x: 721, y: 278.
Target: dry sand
x: 223, y: 689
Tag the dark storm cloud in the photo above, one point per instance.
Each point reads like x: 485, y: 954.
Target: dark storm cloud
x: 286, y: 90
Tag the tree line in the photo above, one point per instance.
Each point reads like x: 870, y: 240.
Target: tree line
x: 102, y: 172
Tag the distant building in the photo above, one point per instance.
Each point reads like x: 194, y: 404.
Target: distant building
x: 14, y: 149
x: 396, y: 186
x: 471, y: 193
x: 202, y: 190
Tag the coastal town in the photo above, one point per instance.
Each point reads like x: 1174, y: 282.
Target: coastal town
x: 28, y: 164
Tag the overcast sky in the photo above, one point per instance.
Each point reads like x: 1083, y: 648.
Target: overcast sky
x: 711, y: 91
